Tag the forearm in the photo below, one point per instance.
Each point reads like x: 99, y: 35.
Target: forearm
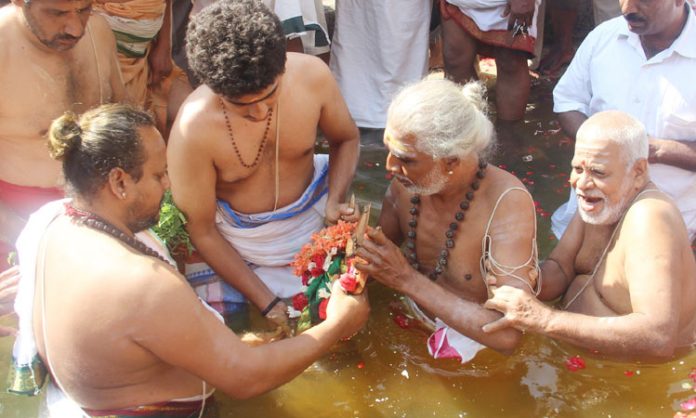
x: 571, y: 121
x: 462, y: 315
x: 229, y: 265
x: 289, y: 358
x: 343, y: 159
x: 680, y: 154
x: 11, y: 224
x: 164, y: 37
x: 625, y: 335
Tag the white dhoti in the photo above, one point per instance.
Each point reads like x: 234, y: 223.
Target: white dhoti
x: 269, y: 241
x: 378, y: 47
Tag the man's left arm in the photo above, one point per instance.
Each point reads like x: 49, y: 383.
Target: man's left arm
x: 680, y: 154
x: 344, y: 145
x: 653, y: 273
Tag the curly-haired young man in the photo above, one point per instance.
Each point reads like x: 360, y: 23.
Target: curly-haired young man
x: 241, y: 152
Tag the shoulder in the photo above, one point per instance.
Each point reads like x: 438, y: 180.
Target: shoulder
x: 307, y: 70
x: 193, y: 122
x: 102, y: 31
x: 653, y: 213
x: 507, y: 196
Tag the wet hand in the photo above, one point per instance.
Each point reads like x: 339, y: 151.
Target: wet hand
x: 340, y: 211
x: 520, y: 310
x: 349, y: 312
x: 383, y: 260
x: 279, y: 316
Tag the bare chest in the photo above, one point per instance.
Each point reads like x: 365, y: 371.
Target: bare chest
x: 440, y: 242
x: 40, y: 86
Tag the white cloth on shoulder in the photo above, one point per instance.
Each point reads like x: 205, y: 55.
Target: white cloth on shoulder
x: 269, y: 241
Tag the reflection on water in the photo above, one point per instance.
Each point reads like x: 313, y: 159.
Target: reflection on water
x: 386, y: 371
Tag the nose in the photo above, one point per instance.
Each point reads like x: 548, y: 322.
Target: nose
x: 582, y: 181
x: 258, y: 111
x: 628, y: 6
x: 392, y: 164
x: 74, y: 26
x: 165, y: 182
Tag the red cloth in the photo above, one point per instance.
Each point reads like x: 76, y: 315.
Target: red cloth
x: 23, y: 200
x: 495, y: 38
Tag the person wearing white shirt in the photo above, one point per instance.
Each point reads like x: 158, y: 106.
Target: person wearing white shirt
x: 642, y: 63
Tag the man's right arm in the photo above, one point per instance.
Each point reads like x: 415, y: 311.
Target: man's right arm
x: 193, y: 179
x: 389, y: 217
x: 558, y: 270
x: 178, y: 330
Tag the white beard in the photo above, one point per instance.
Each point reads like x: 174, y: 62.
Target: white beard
x: 433, y: 182
x: 609, y: 214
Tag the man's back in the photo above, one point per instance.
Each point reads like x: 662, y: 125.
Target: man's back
x: 100, y: 313
x: 39, y: 84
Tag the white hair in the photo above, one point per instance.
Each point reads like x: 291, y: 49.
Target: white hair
x: 446, y: 119
x: 620, y: 128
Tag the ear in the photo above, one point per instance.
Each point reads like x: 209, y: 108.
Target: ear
x: 640, y: 172
x: 451, y: 163
x: 119, y: 183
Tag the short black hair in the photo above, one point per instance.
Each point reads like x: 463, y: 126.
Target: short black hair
x: 100, y: 140
x: 236, y: 47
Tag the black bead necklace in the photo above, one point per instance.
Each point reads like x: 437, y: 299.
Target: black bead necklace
x: 95, y: 222
x: 451, y: 230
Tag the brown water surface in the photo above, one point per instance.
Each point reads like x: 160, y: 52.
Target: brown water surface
x: 386, y: 371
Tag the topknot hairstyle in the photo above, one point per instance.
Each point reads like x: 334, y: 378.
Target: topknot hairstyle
x: 447, y: 119
x: 236, y: 47
x: 92, y: 145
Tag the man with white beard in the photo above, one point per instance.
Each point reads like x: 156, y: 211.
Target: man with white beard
x: 624, y: 266
x: 458, y: 218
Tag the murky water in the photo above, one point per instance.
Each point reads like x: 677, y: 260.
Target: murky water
x: 386, y: 371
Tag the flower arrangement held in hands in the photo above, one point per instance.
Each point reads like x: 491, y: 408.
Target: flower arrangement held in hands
x: 328, y: 257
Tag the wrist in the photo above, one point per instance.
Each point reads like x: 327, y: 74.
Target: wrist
x: 270, y: 306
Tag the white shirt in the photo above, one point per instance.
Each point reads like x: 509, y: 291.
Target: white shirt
x: 611, y: 72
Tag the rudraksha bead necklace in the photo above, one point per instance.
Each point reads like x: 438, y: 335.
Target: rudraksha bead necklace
x: 93, y: 221
x: 234, y: 143
x: 451, y: 230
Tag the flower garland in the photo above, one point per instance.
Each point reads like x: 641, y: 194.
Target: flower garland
x: 320, y: 262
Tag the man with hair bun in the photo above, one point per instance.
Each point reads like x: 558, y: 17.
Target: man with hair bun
x: 241, y: 153
x: 89, y: 264
x: 457, y: 218
x: 624, y: 267
x: 55, y: 56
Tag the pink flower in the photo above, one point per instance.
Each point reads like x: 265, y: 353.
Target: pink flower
x: 299, y: 301
x: 575, y: 363
x: 689, y: 405
x: 348, y: 282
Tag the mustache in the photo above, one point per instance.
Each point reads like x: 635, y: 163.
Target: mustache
x: 634, y: 18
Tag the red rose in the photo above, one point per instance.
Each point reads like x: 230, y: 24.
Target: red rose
x: 305, y: 278
x: 322, y: 308
x: 348, y: 282
x: 299, y: 301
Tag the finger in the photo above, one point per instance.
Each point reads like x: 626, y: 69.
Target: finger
x: 506, y: 11
x: 491, y: 280
x: 346, y: 210
x: 369, y: 246
x: 496, y: 325
x: 376, y: 235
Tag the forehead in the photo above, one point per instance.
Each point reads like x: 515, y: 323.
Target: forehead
x: 398, y: 143
x: 61, y: 4
x: 252, y: 98
x: 597, y: 151
x: 153, y: 144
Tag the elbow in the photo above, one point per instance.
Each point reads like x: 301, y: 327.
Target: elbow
x: 507, y: 342
x: 660, y: 346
